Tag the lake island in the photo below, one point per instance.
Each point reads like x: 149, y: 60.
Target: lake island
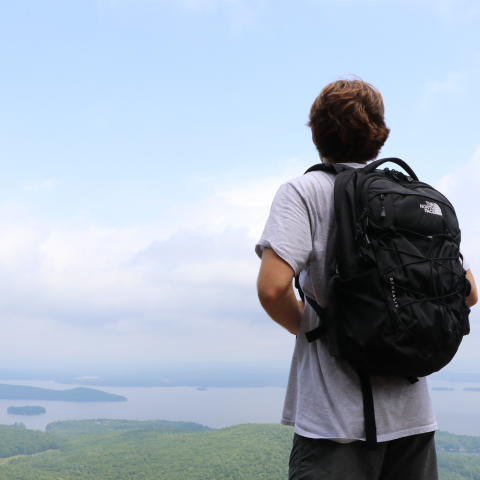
x: 27, y: 410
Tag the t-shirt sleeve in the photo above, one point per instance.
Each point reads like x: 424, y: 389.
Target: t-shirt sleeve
x: 464, y: 261
x: 288, y: 230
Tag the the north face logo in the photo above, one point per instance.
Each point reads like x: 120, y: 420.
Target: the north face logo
x: 431, y: 207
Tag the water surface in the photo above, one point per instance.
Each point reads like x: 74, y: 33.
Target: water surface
x: 457, y: 411
x: 214, y: 407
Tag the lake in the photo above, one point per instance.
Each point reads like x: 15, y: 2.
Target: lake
x: 457, y: 411
x: 214, y: 407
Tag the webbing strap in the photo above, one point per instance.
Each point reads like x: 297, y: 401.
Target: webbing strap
x: 331, y: 321
x: 368, y: 410
x: 316, y: 333
x: 320, y: 311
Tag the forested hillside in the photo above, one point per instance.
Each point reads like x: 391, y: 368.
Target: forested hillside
x: 20, y: 441
x: 118, y: 449
x: 452, y: 443
x: 71, y: 427
x: 240, y: 452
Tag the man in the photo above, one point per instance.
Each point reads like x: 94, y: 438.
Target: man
x: 324, y: 399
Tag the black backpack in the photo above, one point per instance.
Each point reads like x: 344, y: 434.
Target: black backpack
x: 396, y: 301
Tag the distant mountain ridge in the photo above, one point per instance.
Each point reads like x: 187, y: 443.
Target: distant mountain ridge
x: 186, y: 374
x: 79, y: 394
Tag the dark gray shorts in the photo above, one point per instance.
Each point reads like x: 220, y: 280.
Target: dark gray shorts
x: 407, y: 458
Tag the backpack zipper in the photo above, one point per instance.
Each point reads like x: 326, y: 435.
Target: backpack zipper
x: 393, y: 174
x: 365, y: 198
x: 366, y: 227
x: 382, y: 211
x: 409, y: 194
x: 362, y: 232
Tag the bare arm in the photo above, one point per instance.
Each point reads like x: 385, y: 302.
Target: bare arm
x: 275, y: 291
x: 472, y: 299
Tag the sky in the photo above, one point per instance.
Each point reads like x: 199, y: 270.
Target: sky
x: 142, y: 142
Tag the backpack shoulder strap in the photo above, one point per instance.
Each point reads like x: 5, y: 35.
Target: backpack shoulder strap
x: 320, y: 311
x: 335, y: 169
x: 329, y: 168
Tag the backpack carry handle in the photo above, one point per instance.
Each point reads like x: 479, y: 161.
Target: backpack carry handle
x: 372, y: 166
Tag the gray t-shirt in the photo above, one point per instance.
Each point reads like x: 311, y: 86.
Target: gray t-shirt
x: 324, y: 399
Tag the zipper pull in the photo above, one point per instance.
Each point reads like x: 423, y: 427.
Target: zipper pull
x: 382, y: 212
x: 366, y: 227
x: 393, y: 174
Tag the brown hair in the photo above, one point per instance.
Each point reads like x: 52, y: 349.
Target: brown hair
x: 347, y: 121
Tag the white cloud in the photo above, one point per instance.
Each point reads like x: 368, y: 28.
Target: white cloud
x: 209, y: 4
x: 453, y: 83
x: 36, y: 185
x: 462, y: 188
x: 458, y: 10
x: 242, y: 13
x: 183, y: 288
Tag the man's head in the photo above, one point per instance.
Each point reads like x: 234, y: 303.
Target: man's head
x: 347, y: 122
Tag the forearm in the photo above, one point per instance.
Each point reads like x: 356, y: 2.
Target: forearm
x: 472, y: 299
x: 284, y: 309
x: 275, y: 291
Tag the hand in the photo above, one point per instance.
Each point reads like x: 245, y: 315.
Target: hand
x: 301, y: 305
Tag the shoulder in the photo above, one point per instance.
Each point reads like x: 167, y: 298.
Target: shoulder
x: 316, y: 182
x: 310, y: 184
